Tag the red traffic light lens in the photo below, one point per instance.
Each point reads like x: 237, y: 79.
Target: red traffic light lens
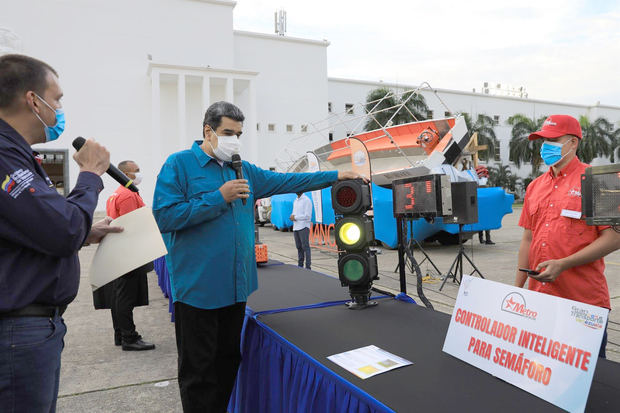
x: 346, y: 196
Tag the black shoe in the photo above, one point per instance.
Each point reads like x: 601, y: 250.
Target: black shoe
x: 138, y: 345
x: 489, y: 242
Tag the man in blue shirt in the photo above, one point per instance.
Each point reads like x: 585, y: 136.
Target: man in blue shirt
x: 40, y: 234
x: 209, y: 233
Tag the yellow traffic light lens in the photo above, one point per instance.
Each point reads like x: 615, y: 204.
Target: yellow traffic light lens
x: 350, y: 233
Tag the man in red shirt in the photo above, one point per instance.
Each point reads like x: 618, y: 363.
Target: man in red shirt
x: 556, y: 241
x: 130, y: 290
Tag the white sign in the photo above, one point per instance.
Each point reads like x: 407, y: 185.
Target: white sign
x: 317, y: 198
x: 543, y: 344
x: 118, y: 253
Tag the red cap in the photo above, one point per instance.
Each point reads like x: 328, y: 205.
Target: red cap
x: 558, y: 125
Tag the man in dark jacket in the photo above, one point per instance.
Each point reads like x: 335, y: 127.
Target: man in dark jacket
x: 40, y: 234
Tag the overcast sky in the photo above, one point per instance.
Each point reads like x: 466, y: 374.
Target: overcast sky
x: 561, y: 50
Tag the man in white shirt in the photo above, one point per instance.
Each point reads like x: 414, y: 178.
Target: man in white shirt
x: 301, y: 217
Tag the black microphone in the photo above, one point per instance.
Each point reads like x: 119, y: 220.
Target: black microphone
x: 238, y: 167
x: 113, y: 171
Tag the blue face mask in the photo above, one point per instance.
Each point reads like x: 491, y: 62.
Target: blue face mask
x: 551, y: 153
x: 52, y: 132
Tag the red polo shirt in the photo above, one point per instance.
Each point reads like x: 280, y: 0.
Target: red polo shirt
x: 123, y: 201
x: 549, y: 202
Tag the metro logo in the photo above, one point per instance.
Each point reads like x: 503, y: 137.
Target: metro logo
x: 515, y: 303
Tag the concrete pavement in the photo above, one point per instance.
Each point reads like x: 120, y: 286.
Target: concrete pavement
x: 97, y: 376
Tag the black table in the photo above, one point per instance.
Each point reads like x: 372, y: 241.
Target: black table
x: 278, y: 343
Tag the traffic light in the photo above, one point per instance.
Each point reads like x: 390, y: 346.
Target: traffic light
x: 354, y: 230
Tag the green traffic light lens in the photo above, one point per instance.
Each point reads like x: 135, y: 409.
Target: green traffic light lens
x: 353, y: 270
x: 350, y: 233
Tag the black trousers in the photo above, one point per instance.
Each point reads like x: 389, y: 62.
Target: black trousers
x: 125, y: 289
x: 208, y: 345
x: 302, y: 242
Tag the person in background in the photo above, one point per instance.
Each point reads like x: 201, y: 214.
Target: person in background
x: 301, y: 217
x: 130, y: 290
x: 209, y: 234
x: 556, y: 241
x: 483, y: 176
x: 41, y: 233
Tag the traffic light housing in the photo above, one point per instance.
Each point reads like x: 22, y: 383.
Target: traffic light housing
x: 354, y: 231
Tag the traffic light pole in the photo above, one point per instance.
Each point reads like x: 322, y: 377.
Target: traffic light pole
x: 402, y: 250
x: 401, y: 255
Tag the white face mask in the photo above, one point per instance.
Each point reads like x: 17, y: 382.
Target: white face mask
x: 226, y: 147
x: 138, y: 178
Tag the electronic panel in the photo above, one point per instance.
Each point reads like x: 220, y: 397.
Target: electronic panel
x: 600, y: 195
x: 422, y: 196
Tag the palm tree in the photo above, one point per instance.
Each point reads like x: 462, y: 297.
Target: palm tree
x: 486, y: 133
x: 499, y: 175
x: 594, y: 139
x: 385, y: 108
x: 521, y: 148
x: 614, y: 141
x: 389, y: 106
x: 415, y: 105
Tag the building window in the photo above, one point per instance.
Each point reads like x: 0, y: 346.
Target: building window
x: 304, y: 128
x: 429, y: 114
x: 257, y: 126
x: 289, y: 128
x: 348, y: 107
x: 496, y: 119
x: 329, y: 107
x: 497, y: 154
x: 447, y: 114
x: 331, y: 136
x: 271, y: 127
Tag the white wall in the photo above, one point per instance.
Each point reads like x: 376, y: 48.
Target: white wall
x: 291, y: 87
x: 100, y: 50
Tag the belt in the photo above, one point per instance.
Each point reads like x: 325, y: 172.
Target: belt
x: 36, y: 310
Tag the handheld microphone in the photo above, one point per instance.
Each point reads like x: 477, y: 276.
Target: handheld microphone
x: 113, y: 171
x: 238, y: 167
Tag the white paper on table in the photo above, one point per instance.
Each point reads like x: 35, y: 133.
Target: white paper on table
x: 368, y: 361
x: 119, y: 253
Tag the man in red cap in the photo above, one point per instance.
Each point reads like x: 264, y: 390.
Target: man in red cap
x: 556, y: 241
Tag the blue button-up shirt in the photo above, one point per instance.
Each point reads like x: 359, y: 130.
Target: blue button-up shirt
x: 210, y: 242
x: 40, y: 230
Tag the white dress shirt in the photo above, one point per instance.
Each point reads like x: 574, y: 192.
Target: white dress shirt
x: 302, y: 209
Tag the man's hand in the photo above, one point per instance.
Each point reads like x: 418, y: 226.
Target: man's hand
x: 345, y: 175
x: 235, y: 189
x: 292, y: 217
x: 92, y: 157
x: 100, y: 229
x: 553, y: 269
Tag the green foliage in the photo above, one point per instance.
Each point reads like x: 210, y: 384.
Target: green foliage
x: 502, y: 176
x: 523, y: 150
x: 414, y: 108
x: 594, y: 139
x: 486, y: 134
x: 614, y: 145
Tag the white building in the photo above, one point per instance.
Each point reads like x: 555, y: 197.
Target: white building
x: 346, y: 92
x: 138, y: 75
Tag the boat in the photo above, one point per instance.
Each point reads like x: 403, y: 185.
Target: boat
x: 390, y: 153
